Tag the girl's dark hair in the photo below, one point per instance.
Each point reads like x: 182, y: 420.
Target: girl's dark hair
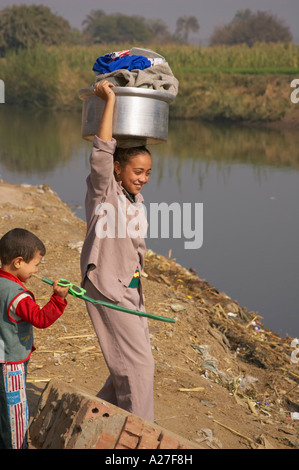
x: 20, y: 242
x: 124, y: 155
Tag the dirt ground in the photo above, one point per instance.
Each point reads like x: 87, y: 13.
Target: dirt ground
x: 221, y: 378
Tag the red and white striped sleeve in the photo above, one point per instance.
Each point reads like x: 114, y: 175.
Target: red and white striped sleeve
x: 24, y: 308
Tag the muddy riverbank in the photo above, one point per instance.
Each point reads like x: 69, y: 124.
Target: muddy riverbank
x: 217, y: 367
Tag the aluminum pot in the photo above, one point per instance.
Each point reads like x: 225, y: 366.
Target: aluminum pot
x: 140, y: 115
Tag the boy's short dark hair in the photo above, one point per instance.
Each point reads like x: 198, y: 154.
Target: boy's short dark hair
x: 20, y: 242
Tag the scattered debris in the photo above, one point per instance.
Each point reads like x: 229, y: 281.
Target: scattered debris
x: 208, y: 438
x: 246, y: 382
x: 177, y: 307
x: 196, y: 389
x: 76, y: 245
x: 217, y: 364
x: 233, y: 431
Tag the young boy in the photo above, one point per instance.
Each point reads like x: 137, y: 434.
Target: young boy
x: 20, y: 254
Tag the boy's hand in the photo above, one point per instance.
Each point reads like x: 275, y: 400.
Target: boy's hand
x: 103, y: 90
x: 60, y: 290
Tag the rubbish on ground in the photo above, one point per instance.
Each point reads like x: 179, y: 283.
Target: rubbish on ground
x: 208, y: 438
x: 246, y: 382
x: 76, y: 245
x: 264, y: 443
x: 208, y: 403
x: 208, y: 361
x: 196, y: 389
x: 177, y: 307
x: 233, y: 431
x: 251, y: 406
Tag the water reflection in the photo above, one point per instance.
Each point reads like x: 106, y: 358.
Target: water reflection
x: 35, y: 142
x: 233, y: 143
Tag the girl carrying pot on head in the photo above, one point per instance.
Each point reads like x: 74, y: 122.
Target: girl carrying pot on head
x: 111, y: 262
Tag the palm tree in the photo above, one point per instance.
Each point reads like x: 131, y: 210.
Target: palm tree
x: 185, y: 25
x: 92, y: 17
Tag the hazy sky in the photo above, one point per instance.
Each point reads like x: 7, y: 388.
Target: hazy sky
x: 209, y: 13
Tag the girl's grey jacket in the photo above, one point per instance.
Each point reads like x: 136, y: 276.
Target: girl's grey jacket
x: 114, y: 244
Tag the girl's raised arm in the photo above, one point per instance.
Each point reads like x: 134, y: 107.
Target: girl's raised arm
x: 103, y: 90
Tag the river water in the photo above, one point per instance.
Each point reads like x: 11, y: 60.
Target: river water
x: 245, y: 179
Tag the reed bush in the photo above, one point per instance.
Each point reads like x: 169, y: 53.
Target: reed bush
x: 257, y: 58
x: 215, y: 82
x: 30, y: 77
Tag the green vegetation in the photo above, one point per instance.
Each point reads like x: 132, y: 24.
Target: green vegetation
x: 249, y: 28
x: 23, y: 27
x: 256, y: 59
x: 237, y: 79
x: 220, y: 82
x: 100, y: 28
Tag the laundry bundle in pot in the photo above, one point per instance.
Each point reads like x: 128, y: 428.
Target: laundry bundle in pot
x: 142, y: 94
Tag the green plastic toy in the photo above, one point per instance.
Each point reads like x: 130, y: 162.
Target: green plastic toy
x: 79, y: 292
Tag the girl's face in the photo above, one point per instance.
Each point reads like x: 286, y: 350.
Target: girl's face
x: 135, y: 174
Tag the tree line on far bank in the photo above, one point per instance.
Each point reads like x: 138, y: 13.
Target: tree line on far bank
x: 26, y: 26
